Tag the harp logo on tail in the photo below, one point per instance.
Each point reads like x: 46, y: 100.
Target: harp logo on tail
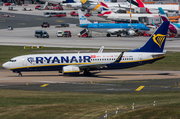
x: 159, y: 39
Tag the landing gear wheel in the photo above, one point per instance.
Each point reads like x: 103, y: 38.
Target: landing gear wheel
x: 87, y: 73
x: 20, y: 75
x: 108, y: 35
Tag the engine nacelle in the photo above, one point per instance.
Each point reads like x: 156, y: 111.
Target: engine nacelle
x: 70, y: 70
x: 130, y: 32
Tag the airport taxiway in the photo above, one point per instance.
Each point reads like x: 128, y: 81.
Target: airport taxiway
x: 109, y: 81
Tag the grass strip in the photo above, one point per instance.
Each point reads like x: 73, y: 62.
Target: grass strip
x: 42, y: 104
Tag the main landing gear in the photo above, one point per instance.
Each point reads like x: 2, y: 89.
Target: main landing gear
x: 87, y: 73
x: 20, y: 74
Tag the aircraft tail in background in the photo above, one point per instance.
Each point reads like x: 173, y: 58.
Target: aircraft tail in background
x: 140, y: 4
x: 157, y: 41
x: 82, y: 18
x: 137, y: 3
x: 163, y: 14
x: 104, y: 8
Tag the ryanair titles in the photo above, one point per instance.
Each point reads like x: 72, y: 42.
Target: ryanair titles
x: 59, y: 59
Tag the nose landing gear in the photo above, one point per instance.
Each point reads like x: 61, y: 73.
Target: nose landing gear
x: 20, y: 74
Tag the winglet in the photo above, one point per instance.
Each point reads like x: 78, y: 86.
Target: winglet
x: 101, y: 49
x: 119, y: 58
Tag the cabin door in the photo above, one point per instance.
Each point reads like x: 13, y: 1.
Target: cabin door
x: 140, y: 58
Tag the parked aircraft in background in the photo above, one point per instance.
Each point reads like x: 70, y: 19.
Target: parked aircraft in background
x: 173, y: 27
x: 111, y: 28
x: 106, y: 13
x: 86, y: 62
x: 153, y: 8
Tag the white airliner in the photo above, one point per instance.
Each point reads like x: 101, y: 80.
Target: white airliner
x: 153, y: 8
x: 124, y: 29
x: 86, y: 62
x: 106, y: 13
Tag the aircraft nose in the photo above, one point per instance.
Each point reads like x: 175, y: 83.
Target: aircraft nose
x: 6, y: 65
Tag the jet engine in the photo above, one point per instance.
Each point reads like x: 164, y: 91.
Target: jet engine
x: 130, y: 32
x: 70, y: 70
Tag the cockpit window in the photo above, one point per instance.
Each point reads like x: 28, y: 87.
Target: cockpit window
x: 12, y: 60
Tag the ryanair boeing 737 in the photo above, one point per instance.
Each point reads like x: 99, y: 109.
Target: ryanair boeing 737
x: 86, y: 62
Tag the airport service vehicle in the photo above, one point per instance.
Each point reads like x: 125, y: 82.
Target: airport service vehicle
x: 57, y: 8
x: 83, y: 33
x: 67, y: 34
x: 73, y: 13
x: 26, y: 9
x: 6, y: 15
x: 12, y: 8
x: 59, y: 34
x: 37, y: 6
x: 55, y: 14
x: 123, y: 29
x: 41, y: 34
x: 45, y: 24
x: 7, y: 4
x: 85, y: 62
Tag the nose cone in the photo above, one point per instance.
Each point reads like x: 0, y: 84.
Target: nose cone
x: 6, y: 65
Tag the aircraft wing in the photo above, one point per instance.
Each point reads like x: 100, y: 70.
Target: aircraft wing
x: 92, y: 66
x: 100, y: 65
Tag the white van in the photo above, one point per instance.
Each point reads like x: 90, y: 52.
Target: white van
x: 59, y: 34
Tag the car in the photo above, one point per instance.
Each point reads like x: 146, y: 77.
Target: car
x: 67, y: 34
x: 59, y: 34
x: 37, y: 6
x: 10, y: 28
x: 26, y: 9
x: 87, y: 14
x: 57, y: 8
x: 73, y: 13
x: 7, y: 4
x: 62, y: 25
x: 41, y: 34
x: 45, y: 24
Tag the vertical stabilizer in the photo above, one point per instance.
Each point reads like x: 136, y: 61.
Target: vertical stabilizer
x: 138, y: 3
x: 105, y: 9
x: 82, y: 18
x: 163, y: 14
x: 157, y: 41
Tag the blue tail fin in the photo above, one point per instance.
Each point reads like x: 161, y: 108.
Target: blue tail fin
x: 157, y: 41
